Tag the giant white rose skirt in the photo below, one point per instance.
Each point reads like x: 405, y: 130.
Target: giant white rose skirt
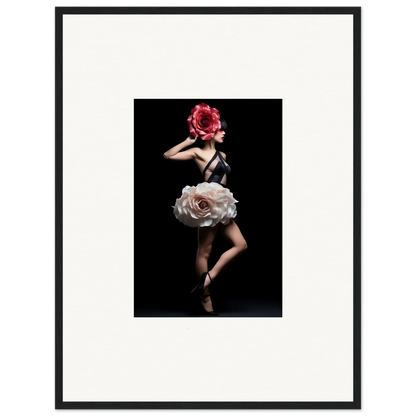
x: 205, y: 205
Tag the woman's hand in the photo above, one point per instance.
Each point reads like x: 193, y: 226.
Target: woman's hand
x: 191, y: 139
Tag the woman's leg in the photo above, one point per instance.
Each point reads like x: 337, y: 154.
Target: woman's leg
x: 233, y: 234
x: 206, y: 236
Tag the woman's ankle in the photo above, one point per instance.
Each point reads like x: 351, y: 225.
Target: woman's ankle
x: 211, y: 274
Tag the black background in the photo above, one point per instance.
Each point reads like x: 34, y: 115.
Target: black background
x: 165, y: 249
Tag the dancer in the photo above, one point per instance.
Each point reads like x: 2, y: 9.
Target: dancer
x: 208, y: 206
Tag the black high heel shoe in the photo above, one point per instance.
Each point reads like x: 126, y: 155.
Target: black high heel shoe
x: 198, y: 290
x: 202, y: 310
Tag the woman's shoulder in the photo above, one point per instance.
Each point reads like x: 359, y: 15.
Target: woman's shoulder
x: 223, y: 155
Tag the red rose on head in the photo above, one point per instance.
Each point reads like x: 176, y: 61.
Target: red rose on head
x: 204, y: 121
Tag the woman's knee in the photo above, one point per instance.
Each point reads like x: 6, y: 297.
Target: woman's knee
x: 242, y: 245
x: 205, y: 251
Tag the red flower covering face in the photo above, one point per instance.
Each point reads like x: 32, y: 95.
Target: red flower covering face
x: 204, y: 121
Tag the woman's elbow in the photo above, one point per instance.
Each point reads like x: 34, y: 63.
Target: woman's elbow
x: 165, y: 156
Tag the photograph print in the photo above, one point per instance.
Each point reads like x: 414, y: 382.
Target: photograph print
x: 208, y: 207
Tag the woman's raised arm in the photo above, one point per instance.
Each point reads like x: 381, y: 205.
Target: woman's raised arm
x: 176, y: 154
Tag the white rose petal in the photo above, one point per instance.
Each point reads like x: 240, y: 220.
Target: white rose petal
x: 217, y: 205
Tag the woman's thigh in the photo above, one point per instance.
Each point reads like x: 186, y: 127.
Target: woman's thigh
x: 206, y: 236
x: 232, y: 233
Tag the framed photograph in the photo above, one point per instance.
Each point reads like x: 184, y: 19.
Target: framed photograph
x: 208, y: 207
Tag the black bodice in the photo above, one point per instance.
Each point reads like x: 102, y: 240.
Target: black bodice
x: 219, y: 171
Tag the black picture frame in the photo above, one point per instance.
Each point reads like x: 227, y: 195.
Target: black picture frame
x: 60, y: 403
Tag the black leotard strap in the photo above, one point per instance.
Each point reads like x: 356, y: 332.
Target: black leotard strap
x: 209, y: 163
x: 219, y: 171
